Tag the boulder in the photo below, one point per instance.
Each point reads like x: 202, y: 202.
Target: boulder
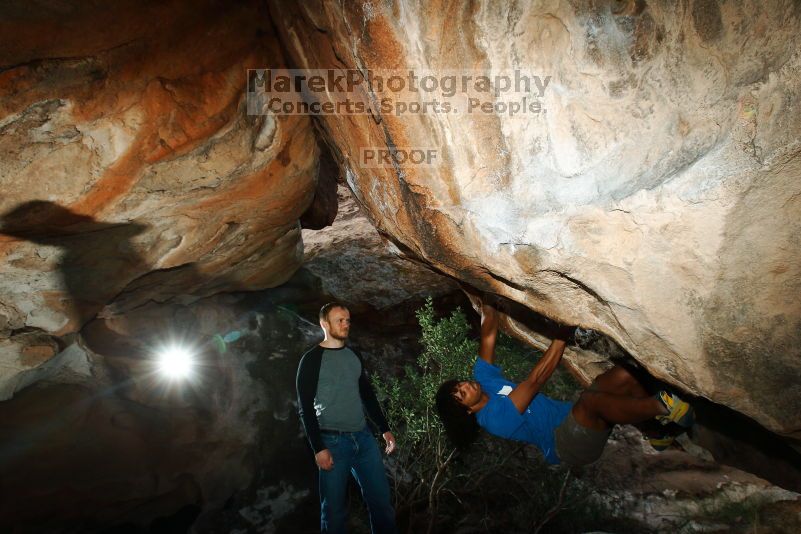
x: 356, y: 265
x: 651, y: 193
x: 131, y: 171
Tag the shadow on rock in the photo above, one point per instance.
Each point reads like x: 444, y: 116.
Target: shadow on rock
x: 95, y: 259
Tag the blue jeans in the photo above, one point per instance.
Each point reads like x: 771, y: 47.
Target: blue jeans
x: 357, y: 453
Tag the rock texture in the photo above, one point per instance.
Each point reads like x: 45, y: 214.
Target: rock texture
x: 125, y: 448
x: 138, y: 452
x: 356, y: 265
x: 130, y: 170
x: 656, y: 198
x: 674, y: 491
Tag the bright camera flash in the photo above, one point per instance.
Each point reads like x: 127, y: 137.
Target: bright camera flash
x: 175, y: 362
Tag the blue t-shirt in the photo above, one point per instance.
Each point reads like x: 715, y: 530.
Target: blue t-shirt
x: 500, y: 417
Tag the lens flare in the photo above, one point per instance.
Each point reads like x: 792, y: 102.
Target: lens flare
x: 176, y: 362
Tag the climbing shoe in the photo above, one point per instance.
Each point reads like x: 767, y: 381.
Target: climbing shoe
x: 679, y: 411
x: 661, y: 442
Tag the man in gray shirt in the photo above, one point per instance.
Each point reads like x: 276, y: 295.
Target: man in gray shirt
x: 333, y: 395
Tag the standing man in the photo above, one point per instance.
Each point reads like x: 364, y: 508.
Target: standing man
x: 333, y: 395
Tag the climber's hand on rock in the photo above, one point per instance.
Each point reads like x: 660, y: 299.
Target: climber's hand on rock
x: 564, y: 332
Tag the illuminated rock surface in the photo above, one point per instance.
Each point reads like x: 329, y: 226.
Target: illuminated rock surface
x: 672, y: 490
x: 657, y: 199
x: 130, y: 170
x: 356, y: 265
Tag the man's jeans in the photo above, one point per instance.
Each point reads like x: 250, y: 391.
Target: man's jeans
x: 357, y: 453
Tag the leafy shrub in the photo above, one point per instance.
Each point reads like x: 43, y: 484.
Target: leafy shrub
x: 498, y: 483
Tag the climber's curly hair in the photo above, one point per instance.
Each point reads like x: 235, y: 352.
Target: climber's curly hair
x: 460, y: 425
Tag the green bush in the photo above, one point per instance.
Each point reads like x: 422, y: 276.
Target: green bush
x: 496, y: 484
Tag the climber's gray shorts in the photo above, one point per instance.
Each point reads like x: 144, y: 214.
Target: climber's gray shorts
x: 578, y: 445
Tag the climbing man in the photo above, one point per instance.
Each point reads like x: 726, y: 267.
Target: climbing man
x: 571, y: 433
x: 333, y: 395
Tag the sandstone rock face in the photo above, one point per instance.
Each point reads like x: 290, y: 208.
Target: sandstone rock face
x: 357, y: 266
x: 656, y: 196
x: 668, y: 490
x: 130, y: 170
x: 223, y: 450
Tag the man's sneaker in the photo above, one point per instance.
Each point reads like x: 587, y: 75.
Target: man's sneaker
x: 679, y: 411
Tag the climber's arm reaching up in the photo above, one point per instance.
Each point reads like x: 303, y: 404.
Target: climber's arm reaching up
x: 489, y: 332
x: 522, y: 395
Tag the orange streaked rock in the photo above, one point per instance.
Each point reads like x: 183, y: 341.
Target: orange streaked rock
x: 130, y: 168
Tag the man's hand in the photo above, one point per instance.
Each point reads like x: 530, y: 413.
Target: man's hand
x: 324, y: 460
x: 564, y: 332
x: 390, y: 439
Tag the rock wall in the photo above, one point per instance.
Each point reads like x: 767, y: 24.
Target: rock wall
x: 673, y: 490
x: 127, y: 449
x: 97, y: 439
x: 655, y: 198
x: 357, y: 266
x: 130, y: 170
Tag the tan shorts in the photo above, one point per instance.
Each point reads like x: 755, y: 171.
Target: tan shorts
x: 578, y: 445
